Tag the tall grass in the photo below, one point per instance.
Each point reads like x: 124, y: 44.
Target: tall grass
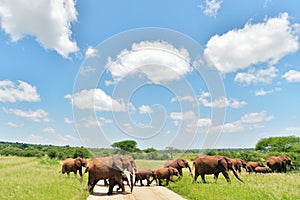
x: 33, y: 178
x: 256, y: 186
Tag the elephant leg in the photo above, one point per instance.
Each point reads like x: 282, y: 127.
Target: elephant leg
x: 216, y: 175
x: 159, y: 182
x: 92, y: 185
x: 203, y: 178
x: 141, y: 182
x: 167, y: 181
x: 226, y: 175
x: 105, y: 182
x: 112, y: 183
x: 195, y: 177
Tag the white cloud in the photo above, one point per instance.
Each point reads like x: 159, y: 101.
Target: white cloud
x: 183, y: 98
x: 221, y: 102
x: 292, y: 129
x: 91, y: 52
x: 14, y: 124
x: 263, y: 92
x: 256, y: 117
x: 292, y: 76
x: 268, y: 41
x: 68, y: 121
x: 204, y: 122
x: 87, y: 69
x: 11, y: 92
x: 48, y: 21
x: 145, y: 109
x: 191, y: 119
x: 159, y: 61
x: 49, y: 130
x: 212, y: 7
x: 95, y: 99
x: 38, y: 115
x: 257, y: 76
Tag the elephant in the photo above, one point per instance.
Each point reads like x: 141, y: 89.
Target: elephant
x: 142, y: 174
x: 112, y: 168
x: 179, y: 163
x: 238, y: 164
x: 165, y: 173
x: 250, y: 166
x: 205, y: 164
x: 263, y: 170
x: 72, y: 165
x: 279, y: 163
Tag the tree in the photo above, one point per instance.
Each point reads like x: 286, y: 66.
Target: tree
x: 126, y: 145
x: 278, y: 144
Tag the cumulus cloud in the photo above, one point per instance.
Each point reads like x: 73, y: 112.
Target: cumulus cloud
x: 212, y: 7
x: 191, y: 119
x: 263, y: 92
x: 292, y: 76
x: 95, y: 99
x: 183, y: 98
x: 11, y: 124
x: 158, y: 61
x: 49, y: 130
x: 22, y: 91
x: 68, y: 121
x: 38, y: 115
x: 268, y: 41
x: 247, y: 122
x: 20, y: 18
x: 221, y: 102
x: 256, y: 117
x: 91, y: 52
x: 257, y: 76
x: 145, y: 109
x: 87, y: 69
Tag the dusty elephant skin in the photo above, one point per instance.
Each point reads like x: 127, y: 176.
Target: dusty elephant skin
x: 111, y: 168
x: 179, y: 163
x: 213, y: 165
x: 144, y: 174
x: 279, y: 163
x: 72, y: 165
x: 250, y: 166
x: 165, y: 173
x: 263, y: 170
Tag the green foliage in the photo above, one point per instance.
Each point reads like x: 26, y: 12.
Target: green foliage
x: 149, y: 150
x: 279, y: 144
x: 126, y: 145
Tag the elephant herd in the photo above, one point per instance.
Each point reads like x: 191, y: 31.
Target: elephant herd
x: 119, y: 168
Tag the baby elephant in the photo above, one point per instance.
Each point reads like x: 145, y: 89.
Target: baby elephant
x: 166, y: 173
x: 142, y: 174
x: 263, y: 170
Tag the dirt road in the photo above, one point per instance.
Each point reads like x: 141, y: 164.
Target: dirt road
x: 139, y: 193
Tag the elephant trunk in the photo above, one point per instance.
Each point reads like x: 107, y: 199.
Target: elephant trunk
x: 188, y: 166
x: 236, y: 175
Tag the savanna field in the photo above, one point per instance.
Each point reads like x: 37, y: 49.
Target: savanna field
x: 39, y: 178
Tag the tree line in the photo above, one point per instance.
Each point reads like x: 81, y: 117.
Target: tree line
x: 289, y: 146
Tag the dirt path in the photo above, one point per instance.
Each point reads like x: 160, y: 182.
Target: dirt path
x: 139, y: 193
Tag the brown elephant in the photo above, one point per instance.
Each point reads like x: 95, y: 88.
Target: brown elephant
x: 115, y: 163
x: 165, y: 173
x: 179, y: 163
x: 142, y: 174
x: 250, y: 166
x: 263, y: 170
x: 213, y: 165
x: 238, y: 164
x: 72, y: 165
x: 279, y: 163
x: 100, y: 171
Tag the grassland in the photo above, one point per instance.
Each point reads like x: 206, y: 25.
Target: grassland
x: 38, y: 178
x: 33, y: 178
x: 256, y: 186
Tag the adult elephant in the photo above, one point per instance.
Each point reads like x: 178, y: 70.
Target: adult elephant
x: 279, y: 163
x: 238, y: 164
x: 116, y: 164
x: 72, y: 165
x: 250, y: 166
x: 179, y: 163
x: 213, y: 165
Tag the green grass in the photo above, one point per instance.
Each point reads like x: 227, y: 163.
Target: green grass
x: 149, y: 164
x: 256, y: 186
x: 33, y: 178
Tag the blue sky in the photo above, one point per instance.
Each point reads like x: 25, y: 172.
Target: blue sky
x: 187, y: 74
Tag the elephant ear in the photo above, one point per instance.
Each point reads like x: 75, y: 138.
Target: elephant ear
x: 181, y: 163
x: 117, y: 162
x: 78, y: 162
